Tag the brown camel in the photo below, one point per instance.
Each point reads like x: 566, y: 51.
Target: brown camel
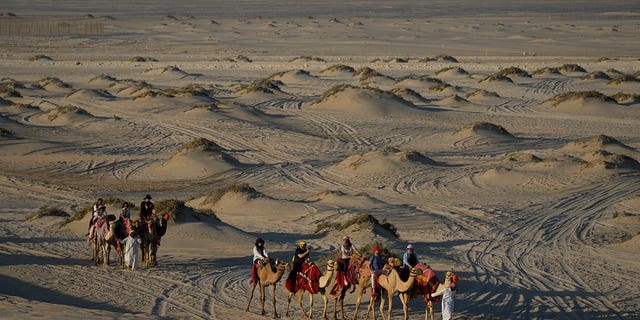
x: 267, y: 277
x: 391, y: 284
x: 323, y: 283
x: 364, y: 282
x: 99, y: 244
x: 339, y: 290
x: 426, y: 284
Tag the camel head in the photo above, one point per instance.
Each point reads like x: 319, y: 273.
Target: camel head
x: 281, y: 265
x: 331, y: 266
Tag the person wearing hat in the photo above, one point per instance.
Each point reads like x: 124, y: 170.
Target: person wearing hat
x: 448, y: 296
x: 347, y: 249
x: 410, y: 258
x: 146, y: 208
x: 260, y: 258
x: 95, y: 212
x: 376, y: 263
x: 301, y: 254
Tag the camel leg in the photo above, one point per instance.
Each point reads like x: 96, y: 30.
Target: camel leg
x: 286, y: 313
x: 310, y: 306
x: 390, y: 299
x: 335, y: 308
x: 250, y: 298
x: 273, y: 298
x: 262, y: 299
x: 326, y: 301
x: 361, y: 289
x: 304, y: 312
x: 342, y: 304
x: 404, y: 298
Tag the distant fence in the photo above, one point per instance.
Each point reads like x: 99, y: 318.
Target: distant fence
x: 49, y: 27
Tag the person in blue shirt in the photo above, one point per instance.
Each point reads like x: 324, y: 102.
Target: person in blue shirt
x: 376, y: 263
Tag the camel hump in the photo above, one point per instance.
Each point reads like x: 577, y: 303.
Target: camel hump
x: 383, y: 280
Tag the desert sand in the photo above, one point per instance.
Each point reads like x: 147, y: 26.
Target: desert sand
x: 500, y: 138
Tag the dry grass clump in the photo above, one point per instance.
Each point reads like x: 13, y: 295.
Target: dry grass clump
x: 440, y: 87
x: 596, y: 75
x: 574, y: 95
x: 152, y: 94
x: 100, y: 92
x: 333, y: 91
x: 244, y: 189
x: 406, y: 92
x: 446, y: 58
x: 201, y: 144
x: 482, y: 92
x: 572, y: 68
x: 611, y: 71
x: 511, y: 71
x: 521, y: 157
x: 339, y: 68
x: 40, y: 57
x: 496, y: 77
x: 545, y: 70
x: 298, y: 72
x: 142, y: 59
x: 47, y: 212
x: 238, y: 58
x: 365, y: 249
x: 68, y: 109
x: 307, y: 59
x: 391, y: 60
x: 264, y: 85
x: 366, y: 73
x: 8, y: 90
x: 104, y: 77
x: 623, y: 78
x: 419, y: 78
x: 189, y: 90
x: 211, y: 107
x: 5, y: 132
x: 51, y: 81
x: 358, y: 220
x: 630, y: 98
x: 178, y: 209
x: 456, y: 69
x: 615, y: 161
x: 486, y: 126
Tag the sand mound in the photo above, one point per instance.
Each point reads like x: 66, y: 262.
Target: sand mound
x: 599, y: 143
x: 596, y: 75
x: 90, y: 94
x: 228, y: 110
x: 520, y: 157
x: 482, y: 95
x: 4, y: 102
x: 307, y: 59
x: 514, y: 71
x: 483, y: 129
x: 103, y: 80
x: 608, y: 161
x: 338, y: 70
x: 344, y: 200
x: 626, y: 98
x: 130, y: 88
x: 293, y: 76
x: 363, y: 228
x: 585, y: 102
x: 265, y: 86
x: 66, y: 115
x: 496, y: 78
x: 243, y: 206
x: 418, y: 81
x: 453, y: 101
x: 52, y: 84
x: 623, y: 79
x: 409, y: 95
x: 364, y: 101
x: 197, y: 159
x: 171, y: 71
x: 387, y: 159
x: 452, y: 72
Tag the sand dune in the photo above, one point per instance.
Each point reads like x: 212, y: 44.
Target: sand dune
x: 483, y: 138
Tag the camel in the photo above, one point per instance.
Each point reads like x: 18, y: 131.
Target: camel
x: 364, y: 282
x: 427, y: 283
x: 391, y: 284
x: 322, y: 284
x: 338, y: 290
x: 151, y: 230
x: 99, y: 244
x: 267, y: 277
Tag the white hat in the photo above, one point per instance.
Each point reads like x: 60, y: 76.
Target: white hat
x: 409, y: 246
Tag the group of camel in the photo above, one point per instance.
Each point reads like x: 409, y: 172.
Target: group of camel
x: 109, y: 232
x: 422, y: 282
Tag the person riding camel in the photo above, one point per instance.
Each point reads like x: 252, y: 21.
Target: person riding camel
x: 347, y: 249
x: 146, y: 208
x: 376, y: 263
x: 99, y: 214
x: 94, y: 212
x: 301, y: 254
x: 260, y: 258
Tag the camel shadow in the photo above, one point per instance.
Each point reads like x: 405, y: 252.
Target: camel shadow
x: 16, y: 287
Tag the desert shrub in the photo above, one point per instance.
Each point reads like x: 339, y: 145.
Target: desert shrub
x: 264, y: 85
x: 339, y: 67
x: 419, y: 78
x: 626, y: 97
x: 572, y: 68
x: 457, y: 69
x: 5, y: 132
x: 357, y: 220
x: 514, y: 71
x: 333, y: 91
x: 596, y: 75
x: 47, y: 212
x: 217, y: 194
x: 552, y: 70
x: 446, y: 58
x: 480, y: 91
x: 54, y: 113
x: 201, y: 144
x: 142, y: 59
x: 365, y: 249
x: 40, y: 57
x: 623, y: 78
x: 9, y: 90
x: 440, y: 87
x: 366, y: 73
x: 496, y: 77
x: 572, y: 95
x: 307, y: 59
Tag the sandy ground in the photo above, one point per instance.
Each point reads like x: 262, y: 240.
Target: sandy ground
x: 501, y: 139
